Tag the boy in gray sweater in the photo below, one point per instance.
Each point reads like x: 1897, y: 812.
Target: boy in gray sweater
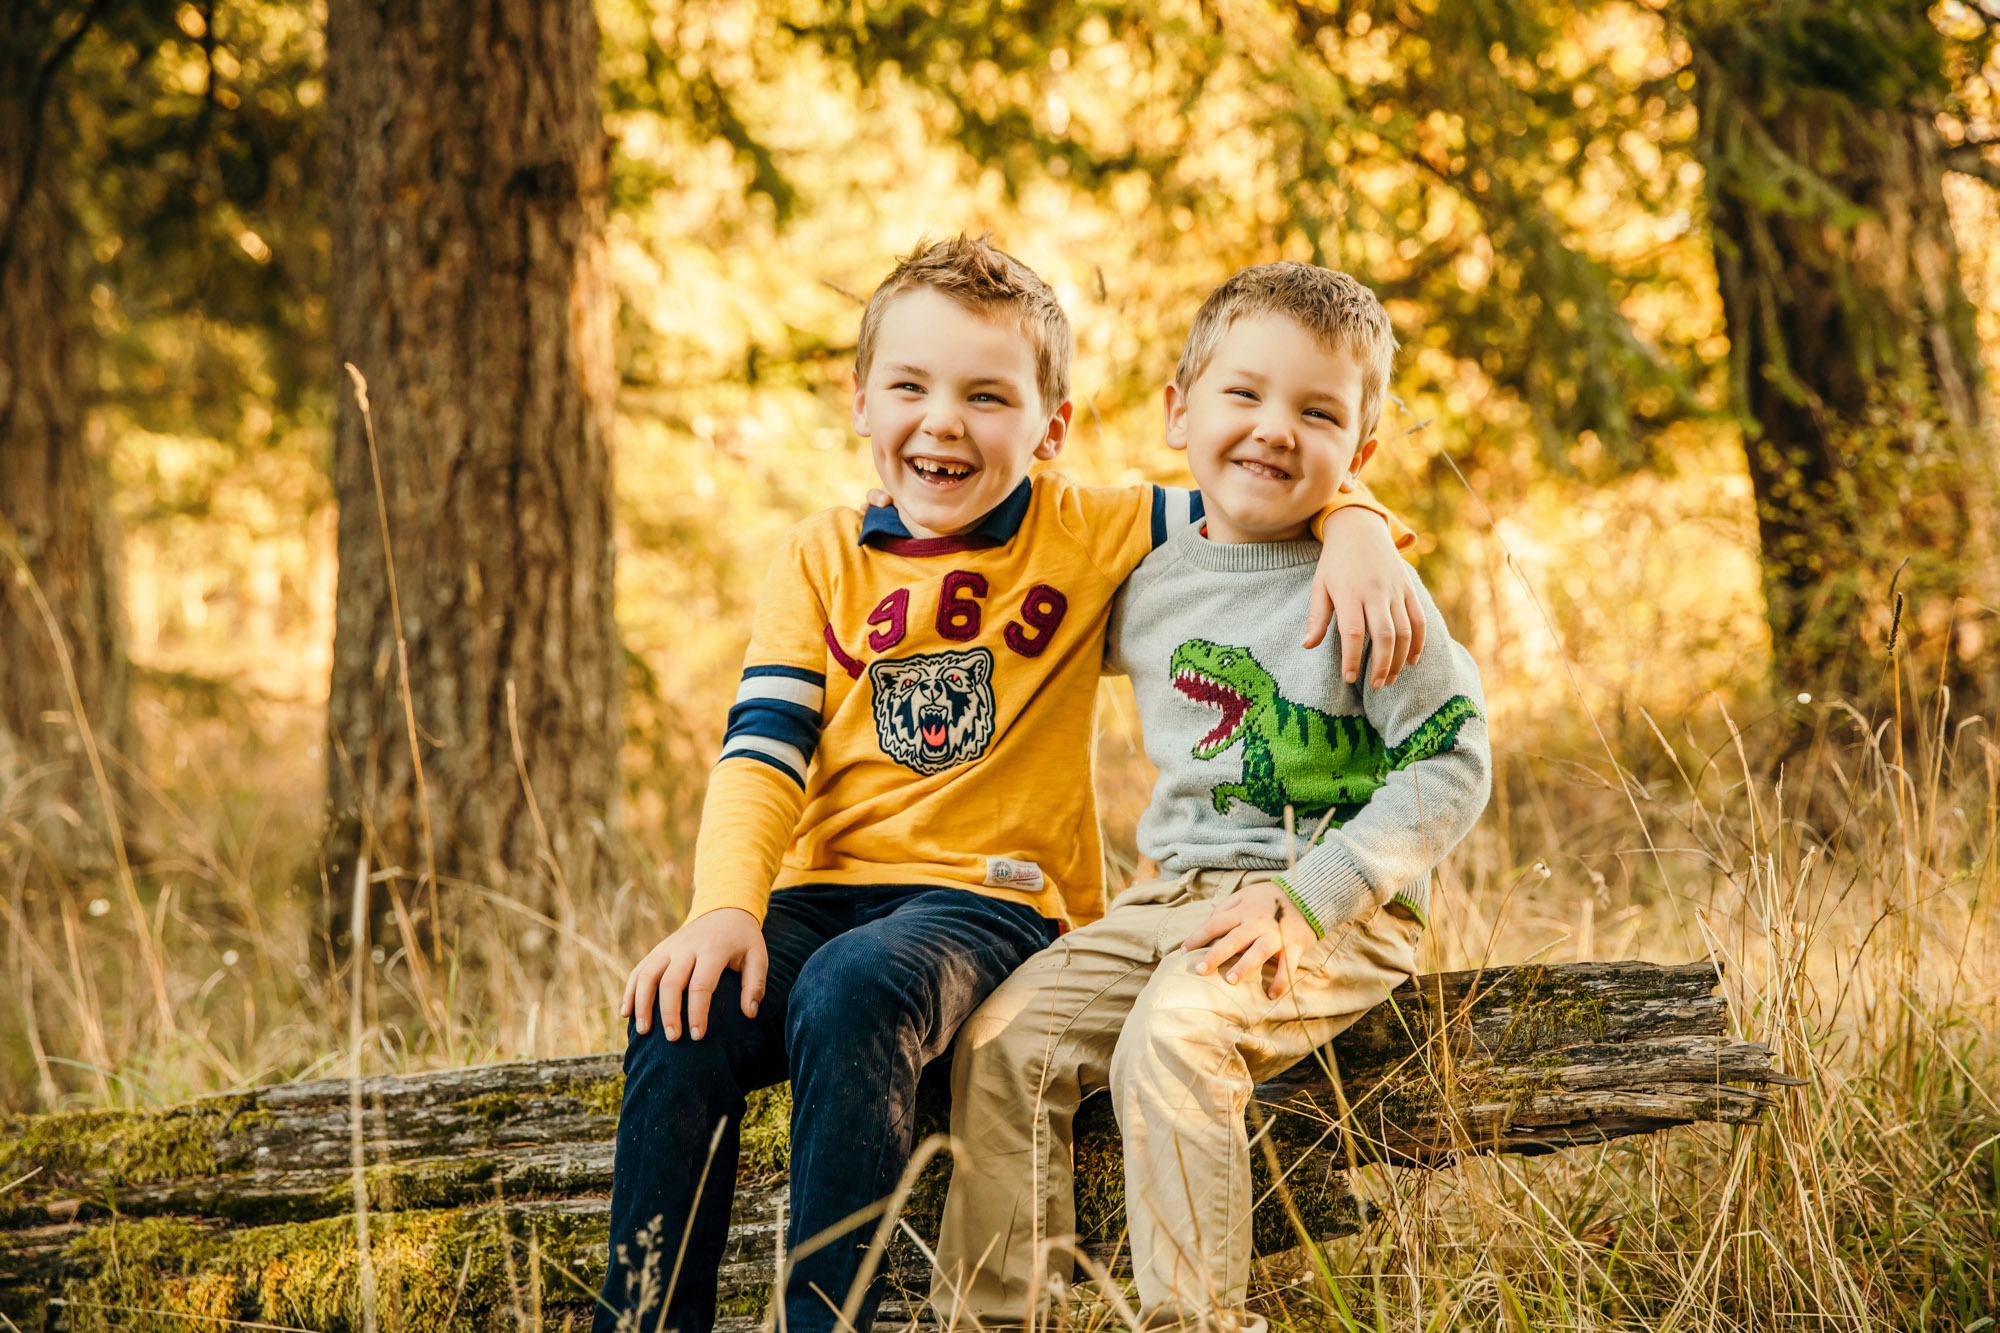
x: 1260, y: 941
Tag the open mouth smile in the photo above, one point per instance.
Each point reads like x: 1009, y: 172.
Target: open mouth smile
x: 1258, y: 469
x: 940, y: 471
x: 1206, y: 689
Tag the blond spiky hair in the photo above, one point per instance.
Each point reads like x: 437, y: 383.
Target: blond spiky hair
x: 1339, y: 312
x: 982, y: 277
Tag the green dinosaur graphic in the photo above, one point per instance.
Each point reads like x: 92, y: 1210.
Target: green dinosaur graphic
x: 1292, y: 754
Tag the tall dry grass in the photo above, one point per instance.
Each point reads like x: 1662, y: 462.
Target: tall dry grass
x: 1847, y: 891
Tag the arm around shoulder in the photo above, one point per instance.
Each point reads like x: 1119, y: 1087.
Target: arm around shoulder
x: 1436, y: 776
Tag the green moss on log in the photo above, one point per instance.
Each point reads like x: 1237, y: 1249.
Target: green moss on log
x: 75, y: 1151
x: 463, y: 1269
x: 1545, y: 1007
x: 495, y: 1107
x: 603, y: 1097
x: 393, y: 1187
x: 127, y: 1147
x: 766, y: 1138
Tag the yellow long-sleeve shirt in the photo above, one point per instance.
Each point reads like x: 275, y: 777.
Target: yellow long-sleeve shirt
x: 920, y: 711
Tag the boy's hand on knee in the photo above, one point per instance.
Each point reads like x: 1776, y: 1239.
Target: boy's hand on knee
x: 1363, y: 584
x: 1256, y: 925
x: 691, y: 961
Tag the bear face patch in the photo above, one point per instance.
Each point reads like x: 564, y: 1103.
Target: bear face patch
x: 934, y: 711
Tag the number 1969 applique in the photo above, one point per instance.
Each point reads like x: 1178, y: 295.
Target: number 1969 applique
x: 934, y: 711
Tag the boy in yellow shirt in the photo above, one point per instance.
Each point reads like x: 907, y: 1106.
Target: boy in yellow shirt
x: 902, y: 813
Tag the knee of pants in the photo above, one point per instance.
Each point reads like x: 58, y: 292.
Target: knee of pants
x: 843, y: 994
x: 1183, y: 1028
x: 996, y: 1053
x: 652, y: 1060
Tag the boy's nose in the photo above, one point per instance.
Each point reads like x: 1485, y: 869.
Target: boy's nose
x: 1275, y: 433
x: 944, y: 425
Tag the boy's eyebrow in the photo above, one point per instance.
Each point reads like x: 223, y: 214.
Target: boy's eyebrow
x: 903, y: 370
x: 1333, y: 396
x: 1252, y: 376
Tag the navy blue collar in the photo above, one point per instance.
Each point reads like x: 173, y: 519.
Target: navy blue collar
x: 882, y: 527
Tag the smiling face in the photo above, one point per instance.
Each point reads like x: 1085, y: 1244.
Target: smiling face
x: 951, y: 411
x: 1270, y: 427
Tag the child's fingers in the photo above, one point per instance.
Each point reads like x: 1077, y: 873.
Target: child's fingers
x: 756, y: 966
x: 1353, y: 640
x: 1414, y: 611
x: 1281, y: 978
x: 1219, y: 923
x: 644, y: 981
x: 879, y: 498
x: 670, y: 985
x: 1382, y: 637
x: 1319, y: 616
x: 1399, y: 619
x: 625, y: 1002
x: 701, y: 986
x: 1235, y: 942
x: 1266, y: 944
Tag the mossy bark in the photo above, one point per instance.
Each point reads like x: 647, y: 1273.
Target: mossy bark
x: 1853, y: 353
x: 240, y: 1207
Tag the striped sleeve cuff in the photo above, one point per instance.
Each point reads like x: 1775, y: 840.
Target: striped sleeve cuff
x: 776, y: 718
x: 1329, y: 888
x: 1173, y: 509
x: 1300, y: 903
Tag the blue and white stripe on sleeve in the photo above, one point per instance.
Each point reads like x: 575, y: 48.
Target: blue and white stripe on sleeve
x: 1173, y: 509
x: 776, y: 718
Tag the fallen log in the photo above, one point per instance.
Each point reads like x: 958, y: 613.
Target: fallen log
x: 487, y: 1187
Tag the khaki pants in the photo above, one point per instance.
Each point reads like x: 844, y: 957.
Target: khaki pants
x: 1118, y: 1005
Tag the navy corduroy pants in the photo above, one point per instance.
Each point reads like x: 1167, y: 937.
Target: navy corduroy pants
x: 867, y: 985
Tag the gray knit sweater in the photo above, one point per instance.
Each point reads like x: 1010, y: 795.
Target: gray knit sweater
x: 1243, y: 722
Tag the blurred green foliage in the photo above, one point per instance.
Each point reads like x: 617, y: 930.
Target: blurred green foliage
x: 1518, y: 180
x: 194, y: 134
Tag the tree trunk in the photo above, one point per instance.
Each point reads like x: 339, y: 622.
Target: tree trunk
x: 1854, y: 358
x: 239, y: 1208
x: 56, y: 568
x: 469, y: 172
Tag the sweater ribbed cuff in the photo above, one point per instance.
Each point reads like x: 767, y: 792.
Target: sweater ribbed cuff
x: 1330, y: 889
x: 1299, y: 903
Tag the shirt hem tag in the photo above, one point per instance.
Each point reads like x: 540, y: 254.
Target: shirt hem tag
x: 1006, y: 873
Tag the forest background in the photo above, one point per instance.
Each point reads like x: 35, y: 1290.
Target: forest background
x: 1700, y: 305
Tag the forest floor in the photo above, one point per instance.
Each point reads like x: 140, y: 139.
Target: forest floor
x: 1850, y: 895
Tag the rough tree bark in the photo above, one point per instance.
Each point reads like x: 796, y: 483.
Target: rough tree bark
x: 488, y: 1185
x: 469, y: 176
x: 50, y: 518
x: 1853, y: 353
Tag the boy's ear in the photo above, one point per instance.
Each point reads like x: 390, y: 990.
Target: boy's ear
x: 1052, y: 443
x: 1176, y: 417
x: 1361, y: 457
x: 860, y: 393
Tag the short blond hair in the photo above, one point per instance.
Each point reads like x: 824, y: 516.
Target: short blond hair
x: 983, y: 278
x: 1339, y: 312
